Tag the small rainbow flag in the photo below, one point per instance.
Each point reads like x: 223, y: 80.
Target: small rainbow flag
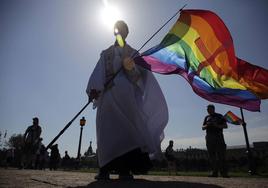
x: 199, y: 47
x: 230, y: 117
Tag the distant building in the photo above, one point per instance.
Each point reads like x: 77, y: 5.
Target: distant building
x: 89, y: 151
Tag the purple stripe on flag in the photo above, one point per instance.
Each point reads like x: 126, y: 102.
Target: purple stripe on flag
x: 233, y: 97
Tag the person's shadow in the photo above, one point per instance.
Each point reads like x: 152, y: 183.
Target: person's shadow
x: 140, y: 183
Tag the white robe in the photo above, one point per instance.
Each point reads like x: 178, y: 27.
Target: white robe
x: 129, y: 114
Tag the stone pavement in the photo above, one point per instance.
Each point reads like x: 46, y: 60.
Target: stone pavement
x: 37, y: 178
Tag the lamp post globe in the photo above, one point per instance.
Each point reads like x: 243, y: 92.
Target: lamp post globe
x: 82, y: 121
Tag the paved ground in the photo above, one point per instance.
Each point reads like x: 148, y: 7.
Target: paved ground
x: 36, y: 178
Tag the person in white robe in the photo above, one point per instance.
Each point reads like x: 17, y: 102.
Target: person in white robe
x: 131, y: 111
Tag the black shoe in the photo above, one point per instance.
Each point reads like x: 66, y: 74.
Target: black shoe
x: 225, y: 176
x: 126, y: 177
x: 102, y: 176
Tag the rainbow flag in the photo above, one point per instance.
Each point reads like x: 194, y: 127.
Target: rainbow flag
x: 230, y: 117
x: 199, y: 47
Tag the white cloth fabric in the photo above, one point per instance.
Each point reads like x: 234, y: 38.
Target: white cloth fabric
x: 130, y: 114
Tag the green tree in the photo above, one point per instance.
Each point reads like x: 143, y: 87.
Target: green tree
x: 15, y: 141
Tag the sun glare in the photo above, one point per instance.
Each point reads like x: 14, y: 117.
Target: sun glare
x: 110, y: 14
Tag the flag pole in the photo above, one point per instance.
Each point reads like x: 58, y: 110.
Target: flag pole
x: 68, y: 125
x: 162, y: 26
x: 252, y: 170
x: 111, y: 79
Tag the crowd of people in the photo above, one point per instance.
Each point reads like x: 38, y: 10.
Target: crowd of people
x: 33, y: 153
x: 35, y: 156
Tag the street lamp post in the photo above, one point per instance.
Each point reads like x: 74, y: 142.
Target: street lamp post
x: 82, y: 124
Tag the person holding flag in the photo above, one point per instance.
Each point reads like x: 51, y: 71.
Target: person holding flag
x: 131, y: 110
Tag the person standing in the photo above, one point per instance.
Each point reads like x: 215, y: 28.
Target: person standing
x: 170, y: 156
x: 55, y: 157
x: 31, y: 140
x: 131, y: 111
x: 66, y: 161
x: 214, y: 123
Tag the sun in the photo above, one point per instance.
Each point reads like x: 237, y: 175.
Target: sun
x: 110, y: 14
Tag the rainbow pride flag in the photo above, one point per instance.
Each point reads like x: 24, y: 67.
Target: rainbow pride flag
x: 199, y: 47
x: 230, y: 117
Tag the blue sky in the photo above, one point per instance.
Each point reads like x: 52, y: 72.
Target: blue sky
x: 48, y: 50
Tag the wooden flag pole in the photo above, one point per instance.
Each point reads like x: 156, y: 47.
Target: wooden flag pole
x: 252, y: 170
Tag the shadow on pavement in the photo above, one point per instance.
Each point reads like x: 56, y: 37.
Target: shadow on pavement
x: 139, y: 183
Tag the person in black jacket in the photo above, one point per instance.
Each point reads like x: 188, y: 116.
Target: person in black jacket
x: 214, y: 123
x: 31, y: 140
x: 54, y: 159
x: 170, y: 156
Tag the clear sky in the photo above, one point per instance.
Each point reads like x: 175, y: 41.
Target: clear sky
x: 48, y: 50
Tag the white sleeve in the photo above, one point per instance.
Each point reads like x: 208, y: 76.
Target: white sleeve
x: 97, y: 78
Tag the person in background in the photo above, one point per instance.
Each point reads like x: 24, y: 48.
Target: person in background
x: 170, y: 156
x: 31, y: 140
x: 213, y: 124
x: 54, y: 159
x: 66, y: 160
